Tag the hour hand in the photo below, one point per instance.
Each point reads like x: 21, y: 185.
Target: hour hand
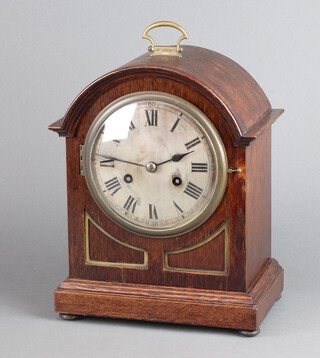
x: 176, y: 157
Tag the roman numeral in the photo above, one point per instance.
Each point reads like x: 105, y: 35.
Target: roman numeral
x: 152, y: 212
x: 132, y: 126
x: 109, y: 163
x: 177, y: 207
x: 199, y: 167
x: 130, y: 204
x: 193, y: 190
x: 152, y: 118
x: 175, y: 124
x: 192, y: 143
x: 113, y: 185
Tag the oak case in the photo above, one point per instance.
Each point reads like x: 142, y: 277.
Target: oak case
x: 220, y: 274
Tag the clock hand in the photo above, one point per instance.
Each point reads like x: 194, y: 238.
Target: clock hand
x: 108, y: 158
x: 176, y: 158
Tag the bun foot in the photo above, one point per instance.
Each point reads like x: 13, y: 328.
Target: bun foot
x: 69, y: 317
x: 249, y: 333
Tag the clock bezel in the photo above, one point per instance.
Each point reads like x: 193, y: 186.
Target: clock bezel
x: 215, y: 143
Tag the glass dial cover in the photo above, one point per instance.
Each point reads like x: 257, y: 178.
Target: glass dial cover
x: 155, y: 164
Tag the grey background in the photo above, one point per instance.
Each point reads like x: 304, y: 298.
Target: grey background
x: 50, y: 50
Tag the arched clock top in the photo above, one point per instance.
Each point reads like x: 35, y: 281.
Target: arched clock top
x: 241, y: 101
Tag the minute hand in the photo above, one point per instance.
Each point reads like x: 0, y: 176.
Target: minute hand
x: 107, y: 157
x: 175, y: 158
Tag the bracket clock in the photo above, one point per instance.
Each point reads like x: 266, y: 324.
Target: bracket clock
x: 169, y: 193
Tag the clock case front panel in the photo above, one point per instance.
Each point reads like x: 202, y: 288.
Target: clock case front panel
x: 231, y: 251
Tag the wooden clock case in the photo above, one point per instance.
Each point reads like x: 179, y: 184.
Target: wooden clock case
x: 220, y: 274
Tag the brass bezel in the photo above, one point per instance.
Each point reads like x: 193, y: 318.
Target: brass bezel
x: 214, y: 141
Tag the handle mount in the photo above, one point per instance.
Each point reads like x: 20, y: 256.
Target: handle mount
x: 165, y: 50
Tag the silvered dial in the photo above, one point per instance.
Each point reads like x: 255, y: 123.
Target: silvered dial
x: 155, y: 164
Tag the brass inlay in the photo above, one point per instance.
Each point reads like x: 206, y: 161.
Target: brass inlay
x: 222, y: 228
x: 89, y: 261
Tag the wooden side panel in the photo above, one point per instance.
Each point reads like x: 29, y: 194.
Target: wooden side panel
x: 258, y: 205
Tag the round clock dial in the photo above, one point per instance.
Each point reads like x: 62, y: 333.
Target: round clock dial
x: 155, y: 164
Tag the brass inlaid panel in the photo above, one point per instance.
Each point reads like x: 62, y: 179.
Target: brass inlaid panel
x: 210, y: 256
x: 102, y: 249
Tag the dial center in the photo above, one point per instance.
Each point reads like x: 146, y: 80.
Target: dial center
x: 151, y: 167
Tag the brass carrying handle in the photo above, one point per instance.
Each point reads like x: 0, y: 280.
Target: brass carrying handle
x: 165, y: 50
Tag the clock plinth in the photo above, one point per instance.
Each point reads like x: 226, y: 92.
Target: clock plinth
x: 169, y: 194
x: 212, y: 308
